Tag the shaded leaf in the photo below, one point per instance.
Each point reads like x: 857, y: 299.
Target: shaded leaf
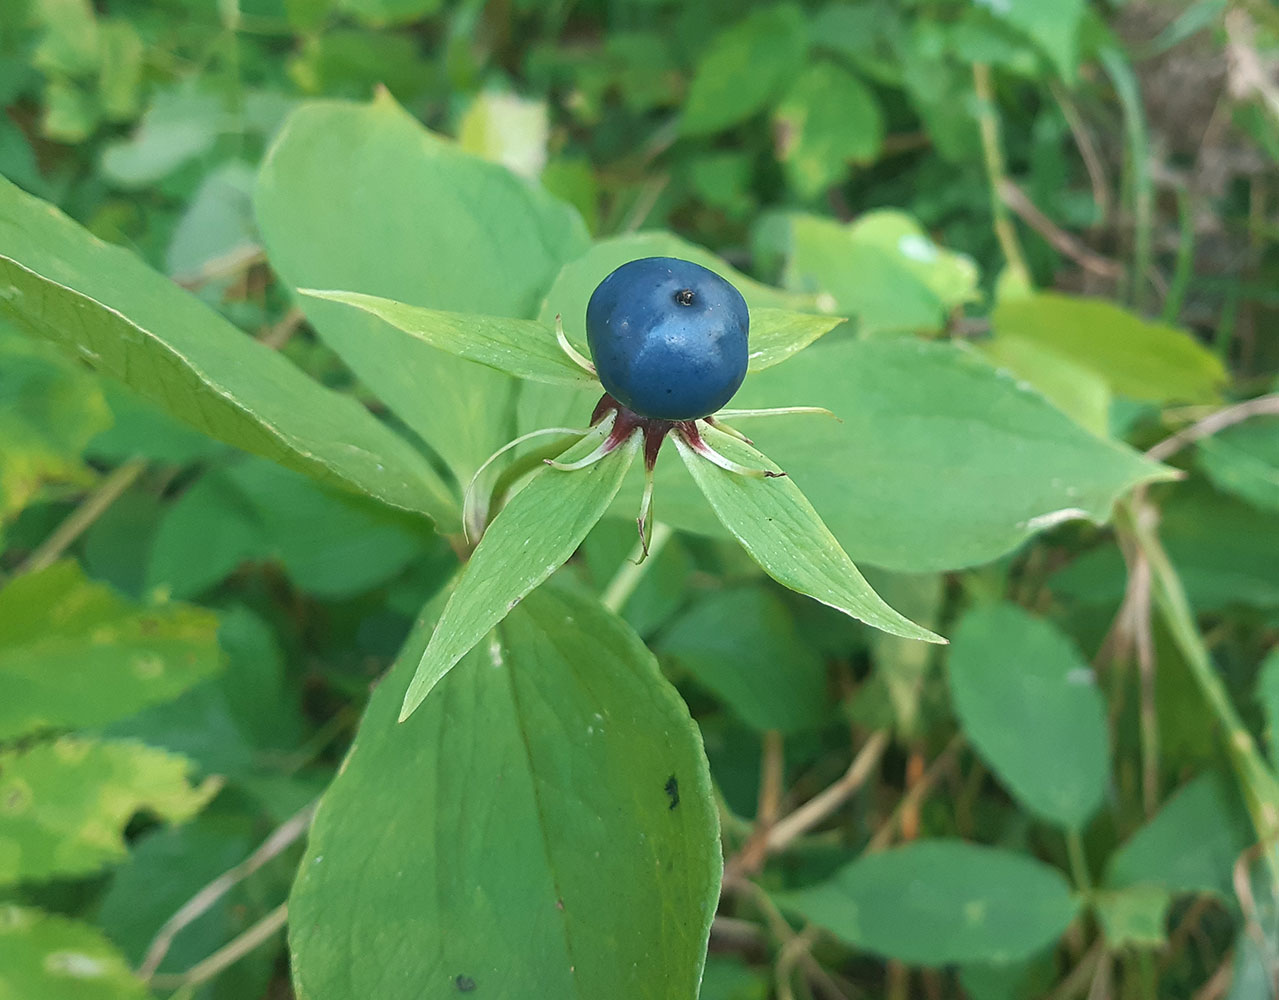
x: 531, y: 537
x: 1133, y: 917
x: 941, y: 901
x: 66, y: 803
x: 1191, y: 845
x: 1028, y: 703
x: 543, y: 826
x: 53, y: 958
x: 1244, y: 460
x: 103, y: 304
x: 520, y: 347
x: 743, y: 68
x: 743, y: 645
x: 1148, y: 361
x: 827, y: 120
x: 75, y: 655
x: 1268, y: 696
x: 779, y: 528
x: 1053, y: 26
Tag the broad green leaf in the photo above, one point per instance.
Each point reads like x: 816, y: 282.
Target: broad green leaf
x: 937, y: 461
x: 363, y: 198
x: 941, y: 901
x: 521, y: 347
x: 1028, y: 703
x: 742, y: 644
x: 1143, y: 360
x: 1053, y: 26
x: 744, y: 67
x: 1030, y: 977
x: 827, y: 120
x: 531, y: 537
x: 1191, y: 845
x: 779, y: 528
x: 180, y: 125
x: 75, y: 655
x: 882, y: 269
x: 49, y: 411
x: 1079, y: 393
x: 1268, y: 696
x: 543, y: 827
x: 66, y: 803
x: 1133, y: 917
x: 49, y: 957
x: 1244, y: 460
x: 100, y: 302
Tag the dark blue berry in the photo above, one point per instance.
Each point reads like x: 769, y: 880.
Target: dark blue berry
x: 668, y: 338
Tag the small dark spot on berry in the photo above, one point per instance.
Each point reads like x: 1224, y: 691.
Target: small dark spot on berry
x: 684, y: 296
x: 464, y: 984
x: 672, y: 790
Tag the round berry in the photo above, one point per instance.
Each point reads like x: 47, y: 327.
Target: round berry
x: 668, y: 338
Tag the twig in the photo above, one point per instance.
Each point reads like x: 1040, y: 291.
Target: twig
x: 1081, y: 975
x: 831, y: 798
x: 1242, y: 879
x: 1219, y: 981
x: 771, y: 771
x: 996, y: 171
x: 1017, y: 199
x: 1087, y: 150
x: 230, y: 953
x: 278, y: 334
x: 916, y: 793
x: 283, y: 835
x: 1214, y: 423
x: 627, y: 578
x: 78, y: 521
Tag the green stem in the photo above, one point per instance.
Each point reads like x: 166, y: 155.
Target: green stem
x: 1078, y: 861
x: 627, y: 578
x: 996, y: 174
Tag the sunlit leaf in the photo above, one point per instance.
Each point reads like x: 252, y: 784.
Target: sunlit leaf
x: 104, y: 305
x: 66, y: 803
x: 75, y: 655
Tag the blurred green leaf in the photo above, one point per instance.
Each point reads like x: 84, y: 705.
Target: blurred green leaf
x: 726, y: 978
x: 69, y: 43
x: 59, y: 283
x: 67, y: 802
x: 48, y: 412
x: 742, y: 644
x: 1028, y: 702
x: 1133, y: 917
x: 901, y: 663
x: 120, y: 69
x: 744, y: 67
x: 217, y: 226
x: 179, y: 126
x: 1148, y: 361
x: 779, y: 528
x: 531, y: 537
x: 505, y: 128
x: 380, y: 12
x: 941, y: 901
x: 363, y: 198
x: 52, y: 958
x: 74, y: 655
x: 827, y: 120
x: 1053, y: 26
x: 1078, y: 392
x: 882, y: 269
x: 543, y: 826
x: 1191, y: 845
x: 1244, y: 460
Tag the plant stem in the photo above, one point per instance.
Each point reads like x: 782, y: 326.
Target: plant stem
x: 632, y: 571
x: 997, y: 175
x: 232, y: 952
x: 1078, y: 861
x: 79, y: 520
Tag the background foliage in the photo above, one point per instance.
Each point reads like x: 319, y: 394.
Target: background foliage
x: 224, y: 506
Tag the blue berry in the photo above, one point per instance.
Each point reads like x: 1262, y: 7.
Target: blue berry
x: 668, y: 338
